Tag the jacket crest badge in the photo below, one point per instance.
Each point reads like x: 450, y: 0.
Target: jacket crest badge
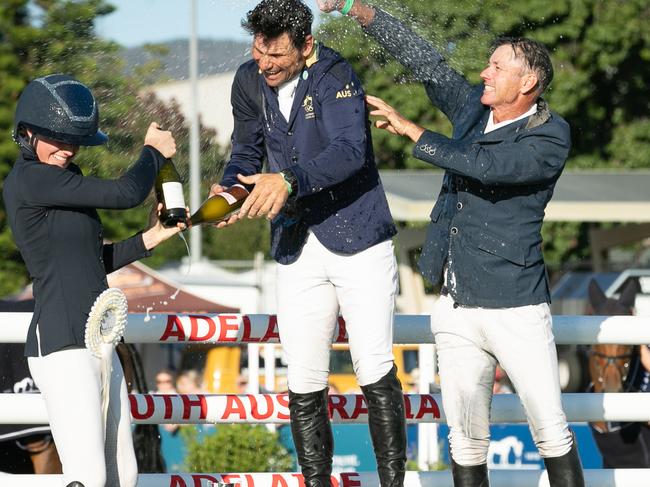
x: 308, y: 106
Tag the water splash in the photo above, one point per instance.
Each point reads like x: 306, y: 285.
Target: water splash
x: 148, y: 317
x: 189, y: 265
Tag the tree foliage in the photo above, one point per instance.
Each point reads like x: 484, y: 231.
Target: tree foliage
x: 600, y: 49
x: 236, y: 448
x: 58, y: 36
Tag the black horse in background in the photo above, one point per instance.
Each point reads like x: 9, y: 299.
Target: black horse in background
x: 29, y: 449
x: 618, y: 368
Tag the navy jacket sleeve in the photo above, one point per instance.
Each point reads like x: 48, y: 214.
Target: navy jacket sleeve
x: 117, y: 255
x: 47, y: 185
x: 247, y: 154
x: 343, y: 115
x: 538, y: 155
x: 446, y: 88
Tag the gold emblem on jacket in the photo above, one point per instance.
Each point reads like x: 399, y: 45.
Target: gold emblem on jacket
x: 308, y: 106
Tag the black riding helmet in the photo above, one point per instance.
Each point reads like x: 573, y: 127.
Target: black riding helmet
x: 60, y: 108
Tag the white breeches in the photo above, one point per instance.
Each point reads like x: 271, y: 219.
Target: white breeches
x: 470, y: 342
x: 70, y: 384
x: 313, y: 291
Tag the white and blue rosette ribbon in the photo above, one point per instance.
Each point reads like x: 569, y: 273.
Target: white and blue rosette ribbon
x: 104, y: 330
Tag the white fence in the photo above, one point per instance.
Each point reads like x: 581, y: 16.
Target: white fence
x: 273, y: 408
x: 238, y: 328
x: 498, y: 478
x: 348, y: 408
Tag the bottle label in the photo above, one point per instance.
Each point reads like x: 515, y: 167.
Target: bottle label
x: 228, y: 197
x: 173, y: 194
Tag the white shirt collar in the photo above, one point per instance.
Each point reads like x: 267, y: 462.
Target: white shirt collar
x: 493, y: 126
x: 286, y: 93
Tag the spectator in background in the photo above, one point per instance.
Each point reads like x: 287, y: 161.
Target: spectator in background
x: 165, y: 385
x: 501, y: 382
x: 165, y: 382
x: 189, y: 381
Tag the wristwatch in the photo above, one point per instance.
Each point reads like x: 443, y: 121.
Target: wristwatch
x: 291, y: 180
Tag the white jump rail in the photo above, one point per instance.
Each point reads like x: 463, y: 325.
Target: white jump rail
x: 273, y: 408
x: 498, y: 478
x: 348, y: 408
x: 409, y: 329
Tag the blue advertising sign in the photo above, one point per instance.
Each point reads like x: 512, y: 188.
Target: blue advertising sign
x: 512, y: 447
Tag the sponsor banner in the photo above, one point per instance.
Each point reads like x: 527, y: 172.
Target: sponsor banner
x: 240, y: 328
x: 408, y: 329
x: 349, y: 408
x: 350, y: 479
x: 631, y: 477
x: 262, y: 408
x: 512, y: 447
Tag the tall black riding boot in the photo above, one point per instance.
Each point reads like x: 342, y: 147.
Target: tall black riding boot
x: 565, y: 471
x: 472, y: 476
x: 312, y: 436
x: 387, y: 425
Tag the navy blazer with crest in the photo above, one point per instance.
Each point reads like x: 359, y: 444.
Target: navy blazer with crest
x: 486, y: 223
x: 53, y: 217
x: 326, y: 143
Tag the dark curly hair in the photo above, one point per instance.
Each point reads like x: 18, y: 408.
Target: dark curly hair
x: 272, y: 18
x: 534, y: 55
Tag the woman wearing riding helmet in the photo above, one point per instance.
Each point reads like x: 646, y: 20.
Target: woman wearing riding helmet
x: 51, y: 208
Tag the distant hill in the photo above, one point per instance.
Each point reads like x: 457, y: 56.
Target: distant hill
x: 214, y: 57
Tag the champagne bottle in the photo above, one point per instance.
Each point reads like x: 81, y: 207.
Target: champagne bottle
x: 169, y: 192
x: 220, y: 206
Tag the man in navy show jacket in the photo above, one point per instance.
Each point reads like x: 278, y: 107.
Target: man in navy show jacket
x: 300, y: 106
x: 325, y: 146
x: 484, y: 241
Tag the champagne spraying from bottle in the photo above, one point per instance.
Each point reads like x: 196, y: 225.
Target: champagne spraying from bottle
x: 169, y: 191
x: 221, y: 206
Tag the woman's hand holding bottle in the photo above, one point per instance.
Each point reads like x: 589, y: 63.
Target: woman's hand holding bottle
x: 158, y: 233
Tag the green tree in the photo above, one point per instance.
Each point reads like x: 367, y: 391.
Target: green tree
x: 41, y: 37
x: 48, y: 36
x: 15, y: 37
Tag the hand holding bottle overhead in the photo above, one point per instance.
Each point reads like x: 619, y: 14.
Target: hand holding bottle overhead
x: 161, y: 140
x: 221, y: 206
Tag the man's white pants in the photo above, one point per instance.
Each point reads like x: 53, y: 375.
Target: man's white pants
x: 319, y: 285
x: 70, y: 384
x: 470, y: 342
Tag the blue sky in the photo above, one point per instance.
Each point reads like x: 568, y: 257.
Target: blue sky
x: 138, y: 21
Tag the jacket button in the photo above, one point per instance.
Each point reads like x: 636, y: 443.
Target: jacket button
x: 454, y: 230
x: 459, y: 206
x: 289, y: 134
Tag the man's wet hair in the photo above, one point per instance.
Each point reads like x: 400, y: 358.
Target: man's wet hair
x: 272, y: 18
x: 534, y: 55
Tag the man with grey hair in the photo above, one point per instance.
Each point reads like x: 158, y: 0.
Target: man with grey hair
x: 483, y: 245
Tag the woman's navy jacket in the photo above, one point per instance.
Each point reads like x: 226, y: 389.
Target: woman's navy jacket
x: 53, y: 217
x: 326, y: 142
x: 486, y: 223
